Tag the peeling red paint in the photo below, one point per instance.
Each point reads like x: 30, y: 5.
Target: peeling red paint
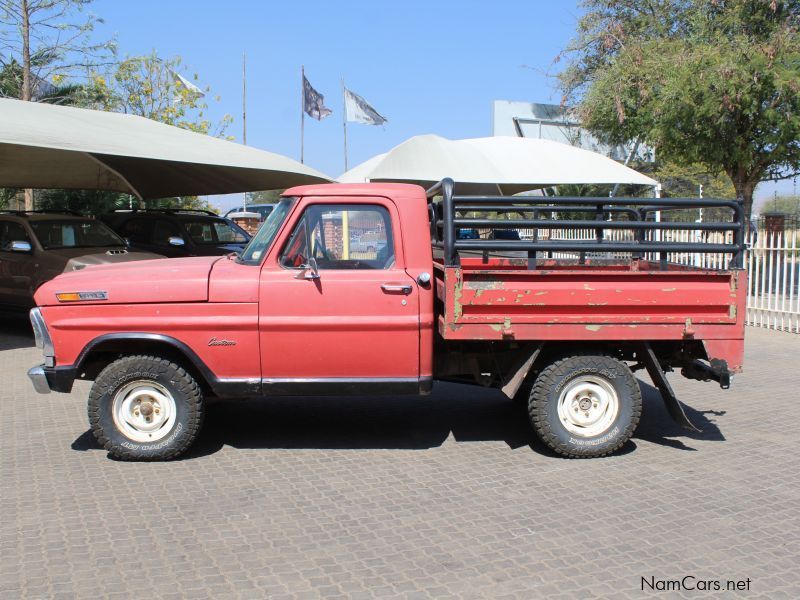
x: 486, y: 301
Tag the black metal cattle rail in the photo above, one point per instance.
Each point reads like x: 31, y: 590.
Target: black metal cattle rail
x: 446, y: 220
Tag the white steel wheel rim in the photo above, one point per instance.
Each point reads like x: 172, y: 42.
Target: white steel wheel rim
x: 144, y: 411
x: 588, y: 405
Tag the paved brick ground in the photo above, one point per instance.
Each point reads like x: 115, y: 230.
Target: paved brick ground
x: 413, y: 498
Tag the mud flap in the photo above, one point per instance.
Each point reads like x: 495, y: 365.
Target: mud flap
x: 671, y: 401
x: 520, y: 372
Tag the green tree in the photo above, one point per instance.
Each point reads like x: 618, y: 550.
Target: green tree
x: 789, y: 205
x: 151, y: 87
x: 264, y: 197
x: 714, y: 83
x: 684, y: 181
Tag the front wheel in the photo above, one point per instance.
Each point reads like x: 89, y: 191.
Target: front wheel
x: 585, y: 406
x: 145, y: 408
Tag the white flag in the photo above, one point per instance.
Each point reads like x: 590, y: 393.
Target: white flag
x: 181, y: 81
x: 359, y: 110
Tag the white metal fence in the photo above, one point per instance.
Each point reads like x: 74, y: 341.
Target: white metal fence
x: 772, y: 263
x: 772, y: 272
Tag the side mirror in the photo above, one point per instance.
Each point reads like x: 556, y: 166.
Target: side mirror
x: 309, y: 270
x: 20, y: 246
x: 127, y: 242
x: 175, y: 240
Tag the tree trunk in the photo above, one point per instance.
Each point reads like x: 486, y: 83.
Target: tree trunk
x: 745, y: 186
x: 744, y: 194
x: 26, y: 51
x: 26, y: 75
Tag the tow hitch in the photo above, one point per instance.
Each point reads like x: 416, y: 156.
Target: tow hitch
x: 716, y: 371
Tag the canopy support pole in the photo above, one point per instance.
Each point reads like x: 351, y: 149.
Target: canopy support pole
x: 115, y: 172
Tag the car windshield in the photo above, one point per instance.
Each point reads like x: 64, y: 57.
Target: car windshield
x: 261, y: 242
x: 74, y: 233
x: 215, y: 231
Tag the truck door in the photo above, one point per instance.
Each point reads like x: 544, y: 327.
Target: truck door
x: 337, y: 311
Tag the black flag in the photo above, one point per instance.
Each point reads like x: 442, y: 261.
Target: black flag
x: 314, y: 102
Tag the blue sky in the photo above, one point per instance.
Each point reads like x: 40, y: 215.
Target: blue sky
x: 429, y: 67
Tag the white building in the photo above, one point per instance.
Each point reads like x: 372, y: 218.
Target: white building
x: 557, y: 123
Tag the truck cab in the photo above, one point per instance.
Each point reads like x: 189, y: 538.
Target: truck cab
x: 308, y: 309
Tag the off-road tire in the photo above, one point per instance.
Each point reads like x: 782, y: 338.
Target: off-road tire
x: 543, y: 405
x: 184, y: 389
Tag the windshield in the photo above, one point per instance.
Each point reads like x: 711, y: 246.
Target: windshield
x: 74, y: 233
x: 212, y: 231
x: 259, y: 245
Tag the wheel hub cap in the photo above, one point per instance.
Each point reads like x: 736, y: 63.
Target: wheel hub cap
x: 588, y: 406
x: 144, y: 411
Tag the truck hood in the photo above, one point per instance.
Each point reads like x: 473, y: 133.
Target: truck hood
x: 147, y: 281
x: 78, y: 258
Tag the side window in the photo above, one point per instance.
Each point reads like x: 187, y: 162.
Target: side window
x: 11, y: 232
x: 162, y: 231
x: 356, y: 236
x: 138, y: 231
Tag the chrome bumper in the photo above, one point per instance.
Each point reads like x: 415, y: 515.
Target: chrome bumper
x: 39, y: 380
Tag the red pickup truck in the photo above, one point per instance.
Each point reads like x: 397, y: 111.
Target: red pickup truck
x: 307, y: 309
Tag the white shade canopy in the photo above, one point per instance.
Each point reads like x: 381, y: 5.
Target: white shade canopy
x: 480, y: 165
x: 48, y: 146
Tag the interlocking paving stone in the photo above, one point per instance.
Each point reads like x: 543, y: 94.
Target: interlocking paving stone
x: 443, y: 496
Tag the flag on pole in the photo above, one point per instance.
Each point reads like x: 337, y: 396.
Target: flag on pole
x: 314, y: 102
x: 359, y: 110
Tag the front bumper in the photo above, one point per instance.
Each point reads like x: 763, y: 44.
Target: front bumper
x: 52, y: 379
x: 39, y: 380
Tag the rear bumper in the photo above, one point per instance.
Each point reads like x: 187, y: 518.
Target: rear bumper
x: 52, y: 379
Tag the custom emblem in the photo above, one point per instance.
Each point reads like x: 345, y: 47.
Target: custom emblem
x: 218, y: 342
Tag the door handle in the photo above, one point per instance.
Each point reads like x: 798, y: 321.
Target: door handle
x: 397, y: 288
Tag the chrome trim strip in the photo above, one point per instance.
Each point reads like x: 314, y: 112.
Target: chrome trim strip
x: 41, y: 334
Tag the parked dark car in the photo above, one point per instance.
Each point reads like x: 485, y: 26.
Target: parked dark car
x: 37, y: 246
x: 177, y: 233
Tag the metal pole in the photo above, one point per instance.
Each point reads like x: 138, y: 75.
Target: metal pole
x: 244, y: 98
x: 344, y: 122
x: 244, y: 116
x: 302, y: 110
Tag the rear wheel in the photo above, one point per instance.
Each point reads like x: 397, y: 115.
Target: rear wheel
x: 145, y: 408
x: 585, y: 406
